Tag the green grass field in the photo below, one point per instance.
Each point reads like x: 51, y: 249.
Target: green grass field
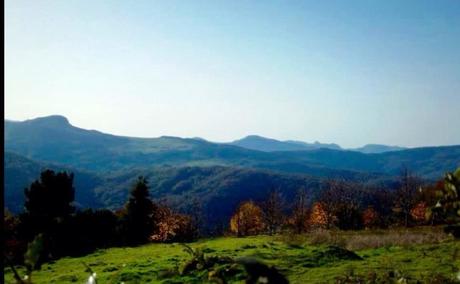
x: 296, y: 257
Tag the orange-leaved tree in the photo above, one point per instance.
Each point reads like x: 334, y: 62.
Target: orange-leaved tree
x: 173, y: 226
x: 319, y: 217
x: 247, y: 220
x: 419, y: 212
x: 370, y: 218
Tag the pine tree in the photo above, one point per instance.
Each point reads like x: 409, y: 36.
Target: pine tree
x: 48, y: 202
x: 52, y: 196
x: 138, y: 220
x: 48, y: 205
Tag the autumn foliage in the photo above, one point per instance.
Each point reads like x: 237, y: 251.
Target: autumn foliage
x: 318, y: 216
x: 418, y: 213
x: 247, y: 220
x: 370, y: 218
x: 172, y: 226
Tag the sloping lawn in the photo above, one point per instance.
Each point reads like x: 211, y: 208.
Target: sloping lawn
x: 301, y: 263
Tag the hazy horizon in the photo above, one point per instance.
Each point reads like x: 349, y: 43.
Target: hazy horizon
x: 231, y: 140
x: 351, y: 73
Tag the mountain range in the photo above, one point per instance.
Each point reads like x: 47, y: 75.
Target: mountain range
x: 181, y: 169
x: 53, y: 139
x: 259, y: 143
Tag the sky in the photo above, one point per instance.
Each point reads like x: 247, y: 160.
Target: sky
x: 347, y: 72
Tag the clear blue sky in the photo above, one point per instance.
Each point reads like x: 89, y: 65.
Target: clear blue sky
x: 349, y: 72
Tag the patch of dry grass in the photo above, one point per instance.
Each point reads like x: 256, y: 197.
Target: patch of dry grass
x: 366, y: 239
x: 402, y: 238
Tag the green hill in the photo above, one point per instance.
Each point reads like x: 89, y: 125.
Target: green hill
x: 298, y: 259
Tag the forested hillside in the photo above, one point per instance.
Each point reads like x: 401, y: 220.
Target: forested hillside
x: 217, y: 190
x: 183, y: 171
x: 54, y: 139
x: 20, y: 172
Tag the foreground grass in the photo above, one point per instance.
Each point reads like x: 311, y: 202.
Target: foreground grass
x: 296, y: 257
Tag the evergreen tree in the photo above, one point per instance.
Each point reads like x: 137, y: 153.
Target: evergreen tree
x: 138, y: 220
x: 52, y: 196
x: 48, y: 201
x: 48, y: 205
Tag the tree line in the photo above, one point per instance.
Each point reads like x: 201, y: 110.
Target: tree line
x: 346, y: 205
x: 51, y: 218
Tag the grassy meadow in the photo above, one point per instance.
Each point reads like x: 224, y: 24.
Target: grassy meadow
x: 407, y: 256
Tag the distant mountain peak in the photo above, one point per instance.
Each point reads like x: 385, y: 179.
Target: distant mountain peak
x: 199, y: 139
x: 378, y: 148
x: 256, y: 142
x: 257, y: 138
x: 253, y: 136
x: 51, y: 120
x: 316, y: 145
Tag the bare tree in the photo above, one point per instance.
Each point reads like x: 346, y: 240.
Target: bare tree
x: 340, y: 201
x: 299, y: 218
x: 406, y: 194
x: 272, y: 209
x: 329, y: 201
x: 195, y: 211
